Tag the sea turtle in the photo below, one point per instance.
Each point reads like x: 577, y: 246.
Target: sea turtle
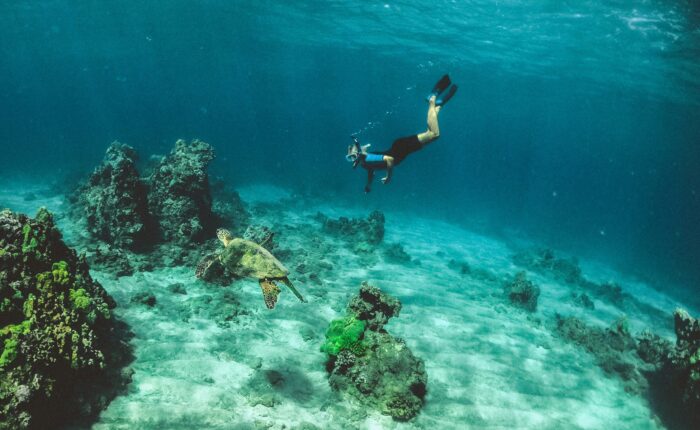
x: 245, y: 259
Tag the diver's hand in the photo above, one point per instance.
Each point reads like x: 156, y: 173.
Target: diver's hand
x: 386, y: 180
x: 367, y: 190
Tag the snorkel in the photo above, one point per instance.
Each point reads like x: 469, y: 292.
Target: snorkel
x: 354, y: 152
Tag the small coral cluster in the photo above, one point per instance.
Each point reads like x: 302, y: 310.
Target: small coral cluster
x: 370, y: 364
x: 522, y: 293
x: 58, y: 338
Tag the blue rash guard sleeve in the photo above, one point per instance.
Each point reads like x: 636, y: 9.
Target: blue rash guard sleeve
x: 374, y: 161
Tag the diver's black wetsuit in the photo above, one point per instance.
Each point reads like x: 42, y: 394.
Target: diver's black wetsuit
x: 402, y: 147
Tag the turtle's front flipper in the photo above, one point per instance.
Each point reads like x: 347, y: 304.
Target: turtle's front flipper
x: 270, y: 292
x: 289, y: 285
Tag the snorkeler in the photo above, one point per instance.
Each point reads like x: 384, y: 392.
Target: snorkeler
x: 402, y: 147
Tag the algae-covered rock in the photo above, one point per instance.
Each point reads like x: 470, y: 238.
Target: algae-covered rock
x: 60, y: 347
x: 113, y: 200
x: 374, y: 306
x: 371, y: 365
x: 521, y: 292
x: 179, y: 196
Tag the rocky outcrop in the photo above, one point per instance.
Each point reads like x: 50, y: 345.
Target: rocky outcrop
x: 614, y: 349
x: 179, y: 197
x: 371, y: 365
x: 361, y: 234
x: 113, y: 200
x: 685, y: 362
x: 522, y: 293
x: 374, y: 307
x: 61, y: 348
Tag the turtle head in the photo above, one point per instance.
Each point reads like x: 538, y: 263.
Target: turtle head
x: 224, y: 236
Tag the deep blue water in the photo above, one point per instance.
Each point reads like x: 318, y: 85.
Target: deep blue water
x: 577, y: 122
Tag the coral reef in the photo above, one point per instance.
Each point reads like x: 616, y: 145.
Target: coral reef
x: 114, y: 200
x: 62, y: 349
x: 545, y: 262
x: 362, y: 234
x: 370, y: 364
x: 685, y: 359
x: 521, y: 292
x: 179, y: 196
x: 614, y: 349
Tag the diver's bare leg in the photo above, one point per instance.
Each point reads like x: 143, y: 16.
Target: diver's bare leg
x: 433, y: 131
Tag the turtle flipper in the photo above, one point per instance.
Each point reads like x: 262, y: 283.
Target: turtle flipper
x: 270, y: 292
x: 289, y: 285
x: 204, y: 265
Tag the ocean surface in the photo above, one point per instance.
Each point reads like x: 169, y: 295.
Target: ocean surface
x: 576, y: 127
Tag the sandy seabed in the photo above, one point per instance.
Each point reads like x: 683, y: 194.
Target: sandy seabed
x: 489, y: 365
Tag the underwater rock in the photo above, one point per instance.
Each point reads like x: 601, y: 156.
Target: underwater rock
x: 114, y: 200
x: 614, y: 349
x: 260, y: 234
x: 364, y: 234
x: 544, y: 260
x: 685, y: 359
x: 461, y: 267
x: 522, y: 293
x: 62, y: 348
x: 395, y: 253
x: 177, y: 288
x: 653, y: 349
x: 179, y: 196
x: 582, y: 300
x: 144, y: 298
x: 371, y: 365
x: 112, y: 260
x: 374, y: 307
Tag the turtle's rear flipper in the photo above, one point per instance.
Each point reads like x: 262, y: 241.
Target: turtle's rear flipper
x: 289, y: 285
x: 270, y: 292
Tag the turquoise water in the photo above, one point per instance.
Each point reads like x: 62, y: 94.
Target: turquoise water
x: 576, y: 127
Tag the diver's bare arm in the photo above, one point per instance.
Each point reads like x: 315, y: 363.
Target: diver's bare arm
x: 389, y: 170
x: 370, y: 177
x: 433, y: 131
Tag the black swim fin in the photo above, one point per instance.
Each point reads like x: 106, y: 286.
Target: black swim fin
x: 444, y: 98
x: 440, y: 86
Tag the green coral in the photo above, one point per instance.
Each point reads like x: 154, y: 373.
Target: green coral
x: 30, y: 243
x: 79, y: 298
x: 12, y: 333
x: 60, y: 274
x: 9, y: 352
x: 344, y: 333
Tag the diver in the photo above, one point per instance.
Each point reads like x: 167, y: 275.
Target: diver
x: 402, y: 147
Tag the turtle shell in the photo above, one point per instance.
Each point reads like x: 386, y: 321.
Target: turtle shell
x: 244, y: 258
